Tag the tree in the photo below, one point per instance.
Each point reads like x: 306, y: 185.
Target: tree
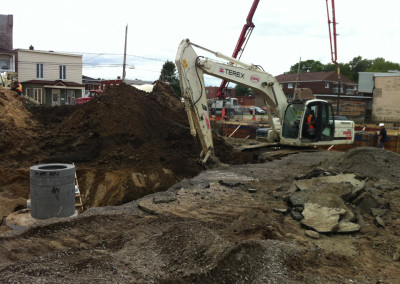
x: 381, y: 65
x: 307, y: 66
x: 169, y: 74
x: 358, y: 64
x: 242, y: 91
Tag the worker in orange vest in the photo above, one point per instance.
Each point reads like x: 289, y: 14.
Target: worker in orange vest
x: 311, y: 124
x: 18, y: 88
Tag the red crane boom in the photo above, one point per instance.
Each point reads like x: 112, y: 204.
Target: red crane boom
x: 334, y: 47
x: 241, y: 44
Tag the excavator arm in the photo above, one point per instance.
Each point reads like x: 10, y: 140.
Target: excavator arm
x: 191, y: 69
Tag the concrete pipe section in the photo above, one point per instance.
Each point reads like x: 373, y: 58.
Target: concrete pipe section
x: 52, y: 189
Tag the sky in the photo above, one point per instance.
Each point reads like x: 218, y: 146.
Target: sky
x: 284, y: 32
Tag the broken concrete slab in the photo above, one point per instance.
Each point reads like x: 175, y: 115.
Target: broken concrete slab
x: 347, y: 186
x: 321, y: 219
x: 321, y: 198
x: 304, y: 184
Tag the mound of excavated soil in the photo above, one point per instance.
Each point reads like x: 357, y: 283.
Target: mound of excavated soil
x: 369, y: 161
x: 125, y: 143
x: 17, y: 129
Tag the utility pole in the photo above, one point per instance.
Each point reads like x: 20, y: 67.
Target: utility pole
x: 297, y: 79
x: 123, y: 68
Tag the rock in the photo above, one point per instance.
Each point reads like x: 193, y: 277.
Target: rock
x: 385, y: 184
x: 379, y: 222
x: 280, y: 211
x: 296, y: 215
x: 230, y: 183
x: 142, y: 206
x: 396, y: 256
x: 293, y: 188
x: 252, y: 190
x: 321, y: 219
x: 378, y: 212
x: 348, y: 227
x: 165, y: 198
x: 365, y: 202
x: 312, y: 234
x: 317, y: 172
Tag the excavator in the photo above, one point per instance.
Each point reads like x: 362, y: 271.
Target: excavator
x: 288, y: 120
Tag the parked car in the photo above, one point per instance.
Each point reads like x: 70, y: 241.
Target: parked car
x: 257, y: 110
x: 92, y: 94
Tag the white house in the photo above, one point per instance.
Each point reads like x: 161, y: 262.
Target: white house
x: 49, y: 77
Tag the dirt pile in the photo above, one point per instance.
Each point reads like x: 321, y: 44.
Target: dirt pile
x: 17, y: 129
x: 125, y: 143
x: 369, y: 161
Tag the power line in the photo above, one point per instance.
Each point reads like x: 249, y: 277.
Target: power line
x: 114, y: 54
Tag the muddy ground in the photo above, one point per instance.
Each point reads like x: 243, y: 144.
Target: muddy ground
x: 177, y: 223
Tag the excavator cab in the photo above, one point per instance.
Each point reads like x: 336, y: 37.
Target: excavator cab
x: 308, y: 121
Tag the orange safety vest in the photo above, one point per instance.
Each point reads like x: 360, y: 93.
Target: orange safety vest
x: 19, y: 88
x: 309, y: 121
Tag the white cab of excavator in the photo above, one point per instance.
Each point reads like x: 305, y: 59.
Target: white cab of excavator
x: 298, y: 123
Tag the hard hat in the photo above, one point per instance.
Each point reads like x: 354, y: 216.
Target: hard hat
x: 381, y: 124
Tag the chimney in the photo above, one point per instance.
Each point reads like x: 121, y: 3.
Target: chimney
x: 31, y: 47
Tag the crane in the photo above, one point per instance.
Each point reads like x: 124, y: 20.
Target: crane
x: 241, y: 44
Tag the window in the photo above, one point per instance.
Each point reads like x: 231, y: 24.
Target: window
x: 39, y: 70
x: 70, y: 97
x: 5, y: 62
x: 292, y: 120
x: 28, y: 92
x: 290, y: 86
x: 37, y: 95
x: 63, y: 72
x: 326, y: 85
x: 336, y: 88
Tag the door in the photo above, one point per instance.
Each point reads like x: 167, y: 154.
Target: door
x: 55, y: 97
x: 323, y: 127
x: 70, y: 97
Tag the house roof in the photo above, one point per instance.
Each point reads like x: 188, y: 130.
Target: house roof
x: 53, y: 83
x: 47, y: 52
x: 312, y: 76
